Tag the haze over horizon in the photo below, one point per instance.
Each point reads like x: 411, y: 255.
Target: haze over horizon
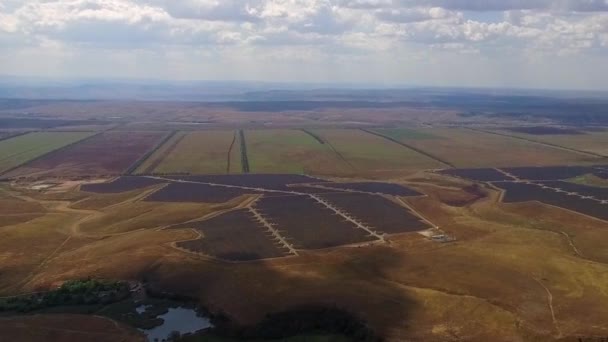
x: 511, y: 43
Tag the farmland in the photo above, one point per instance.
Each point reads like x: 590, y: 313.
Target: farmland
x: 547, y: 185
x: 374, y: 187
x: 19, y: 150
x: 193, y: 192
x: 299, y: 220
x: 291, y: 151
x: 476, y: 149
x: 595, y: 141
x: 109, y: 153
x: 203, y: 152
x: 308, y: 224
x: 235, y: 236
x: 368, y: 153
x: 378, y: 212
x: 372, y: 220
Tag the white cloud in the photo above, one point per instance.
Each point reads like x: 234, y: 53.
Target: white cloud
x: 205, y: 34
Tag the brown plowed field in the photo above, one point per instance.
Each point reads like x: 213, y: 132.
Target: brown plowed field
x: 189, y: 192
x: 309, y: 224
x: 377, y: 212
x: 233, y: 236
x: 110, y: 153
x: 122, y: 184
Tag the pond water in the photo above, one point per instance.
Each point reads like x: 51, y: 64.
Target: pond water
x: 182, y: 320
x: 142, y: 308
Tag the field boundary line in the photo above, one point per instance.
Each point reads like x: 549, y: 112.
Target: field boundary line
x: 415, y: 149
x: 244, y: 157
x: 417, y: 213
x: 347, y: 217
x: 131, y: 169
x: 335, y: 151
x: 150, y: 169
x: 49, y: 153
x: 560, y: 147
x: 314, y: 136
x: 230, y: 152
x: 16, y: 135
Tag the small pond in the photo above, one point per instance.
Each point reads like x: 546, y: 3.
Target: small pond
x: 182, y: 320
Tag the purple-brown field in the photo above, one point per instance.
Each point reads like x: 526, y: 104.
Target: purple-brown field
x: 523, y: 192
x: 193, y: 192
x: 234, y: 236
x: 308, y: 224
x: 109, y: 153
x: 377, y: 212
x: 482, y: 175
x: 549, y: 172
x: 121, y: 184
x: 375, y: 187
x: 273, y: 182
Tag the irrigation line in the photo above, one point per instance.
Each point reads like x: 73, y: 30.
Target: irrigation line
x: 16, y: 135
x: 230, y: 153
x: 415, y: 149
x: 149, y: 154
x: 244, y: 158
x: 539, y: 143
x: 314, y: 136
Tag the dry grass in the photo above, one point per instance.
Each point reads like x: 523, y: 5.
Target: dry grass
x: 594, y: 142
x: 203, y: 152
x: 492, y: 284
x: 66, y: 328
x: 291, y: 151
x: 467, y: 148
x: 367, y: 153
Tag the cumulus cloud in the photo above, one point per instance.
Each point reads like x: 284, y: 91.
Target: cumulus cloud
x: 323, y: 30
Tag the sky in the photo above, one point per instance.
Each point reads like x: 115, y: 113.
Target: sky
x: 471, y: 43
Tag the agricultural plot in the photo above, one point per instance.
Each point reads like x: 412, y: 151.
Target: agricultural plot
x: 291, y: 151
x: 234, y: 236
x: 548, y: 173
x: 109, y: 153
x: 367, y: 152
x: 481, y: 175
x: 9, y: 134
x: 405, y: 133
x: 263, y: 181
x: 593, y: 142
x: 121, y: 184
x: 308, y: 224
x: 21, y: 149
x: 474, y: 149
x: 583, y: 190
x: 193, y: 192
x: 378, y: 212
x: 375, y: 187
x: 202, y: 152
x: 524, y: 192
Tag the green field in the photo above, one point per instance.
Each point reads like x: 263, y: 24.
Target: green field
x: 405, y: 133
x: 469, y: 148
x: 21, y: 149
x: 202, y: 152
x: 592, y: 142
x: 291, y: 151
x: 367, y: 152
